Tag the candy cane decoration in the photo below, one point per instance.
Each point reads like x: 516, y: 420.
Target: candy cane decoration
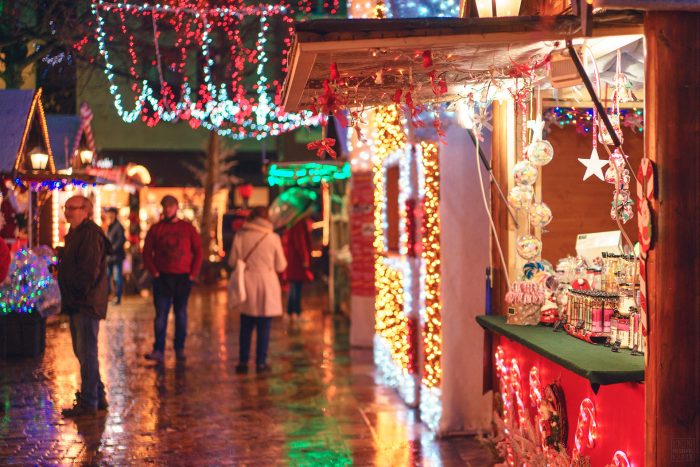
x: 645, y: 194
x: 503, y: 373
x: 536, y: 401
x: 518, y: 391
x: 620, y: 459
x: 586, y: 428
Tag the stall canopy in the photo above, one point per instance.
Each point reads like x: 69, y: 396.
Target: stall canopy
x: 22, y: 127
x: 463, y: 50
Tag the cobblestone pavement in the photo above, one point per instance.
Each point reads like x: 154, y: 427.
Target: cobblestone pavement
x: 319, y: 406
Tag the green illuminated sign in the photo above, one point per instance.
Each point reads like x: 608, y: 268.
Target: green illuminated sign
x: 312, y: 173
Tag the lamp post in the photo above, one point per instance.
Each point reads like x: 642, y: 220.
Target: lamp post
x: 492, y: 8
x: 38, y: 161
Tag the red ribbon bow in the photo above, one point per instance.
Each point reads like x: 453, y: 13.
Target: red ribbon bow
x: 322, y: 146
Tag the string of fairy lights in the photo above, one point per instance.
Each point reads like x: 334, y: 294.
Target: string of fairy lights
x: 391, y: 322
x: 432, y: 337
x: 224, y: 107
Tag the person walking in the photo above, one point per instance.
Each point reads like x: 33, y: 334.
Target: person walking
x: 115, y: 261
x: 82, y: 279
x: 297, y: 247
x: 172, y: 253
x: 261, y: 250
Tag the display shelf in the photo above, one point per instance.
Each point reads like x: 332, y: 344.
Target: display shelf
x: 594, y: 362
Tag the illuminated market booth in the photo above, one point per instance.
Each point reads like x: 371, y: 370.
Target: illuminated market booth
x: 573, y: 325
x: 320, y: 189
x: 30, y: 292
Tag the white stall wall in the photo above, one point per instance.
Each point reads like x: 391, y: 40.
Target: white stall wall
x: 464, y: 239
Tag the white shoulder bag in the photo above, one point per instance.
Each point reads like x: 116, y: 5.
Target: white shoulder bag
x: 236, y: 283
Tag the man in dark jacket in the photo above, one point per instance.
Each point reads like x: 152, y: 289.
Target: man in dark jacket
x: 172, y: 252
x: 82, y: 278
x: 117, y: 238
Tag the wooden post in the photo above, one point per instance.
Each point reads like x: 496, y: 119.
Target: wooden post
x: 673, y: 143
x: 502, y: 149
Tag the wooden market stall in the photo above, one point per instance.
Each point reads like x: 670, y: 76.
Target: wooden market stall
x: 365, y: 63
x: 26, y: 163
x: 26, y: 160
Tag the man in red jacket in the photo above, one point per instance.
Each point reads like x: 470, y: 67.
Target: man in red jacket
x: 172, y: 253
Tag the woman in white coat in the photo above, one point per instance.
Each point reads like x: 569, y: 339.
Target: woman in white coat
x: 261, y: 249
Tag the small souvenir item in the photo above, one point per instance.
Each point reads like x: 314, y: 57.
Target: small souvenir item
x: 623, y: 331
x: 521, y: 196
x: 526, y: 299
x: 540, y: 152
x: 540, y: 215
x: 525, y: 173
x: 528, y: 247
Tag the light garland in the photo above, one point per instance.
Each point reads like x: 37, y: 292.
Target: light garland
x: 582, y: 119
x: 29, y: 279
x: 393, y: 275
x: 223, y: 108
x: 391, y: 374
x: 431, y: 256
x: 52, y: 185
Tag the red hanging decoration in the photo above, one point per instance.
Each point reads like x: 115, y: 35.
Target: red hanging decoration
x: 427, y: 59
x: 323, y: 146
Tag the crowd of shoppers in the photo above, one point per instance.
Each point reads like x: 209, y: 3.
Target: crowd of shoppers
x: 92, y: 259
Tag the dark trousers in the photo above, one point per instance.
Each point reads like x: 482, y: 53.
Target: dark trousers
x: 114, y: 271
x: 262, y: 326
x: 171, y: 290
x: 294, y: 299
x: 83, y: 331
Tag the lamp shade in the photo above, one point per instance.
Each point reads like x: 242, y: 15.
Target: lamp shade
x: 86, y: 156
x: 39, y: 160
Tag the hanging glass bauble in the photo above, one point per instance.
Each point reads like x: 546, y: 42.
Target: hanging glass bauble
x: 525, y: 173
x: 540, y: 152
x: 540, y: 215
x: 520, y: 196
x: 528, y: 247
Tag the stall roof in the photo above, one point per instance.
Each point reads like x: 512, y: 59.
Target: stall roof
x: 15, y: 107
x: 463, y: 49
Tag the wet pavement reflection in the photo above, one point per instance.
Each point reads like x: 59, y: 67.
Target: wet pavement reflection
x: 319, y: 406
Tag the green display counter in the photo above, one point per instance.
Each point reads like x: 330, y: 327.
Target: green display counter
x: 594, y: 362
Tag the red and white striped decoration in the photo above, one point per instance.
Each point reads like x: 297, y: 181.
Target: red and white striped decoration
x: 645, y: 194
x: 85, y: 128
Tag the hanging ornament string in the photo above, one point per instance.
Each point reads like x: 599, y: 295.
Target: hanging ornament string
x: 227, y: 108
x: 159, y: 64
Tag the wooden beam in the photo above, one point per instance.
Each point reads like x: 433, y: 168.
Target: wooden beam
x: 297, y: 77
x: 673, y: 143
x: 349, y: 35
